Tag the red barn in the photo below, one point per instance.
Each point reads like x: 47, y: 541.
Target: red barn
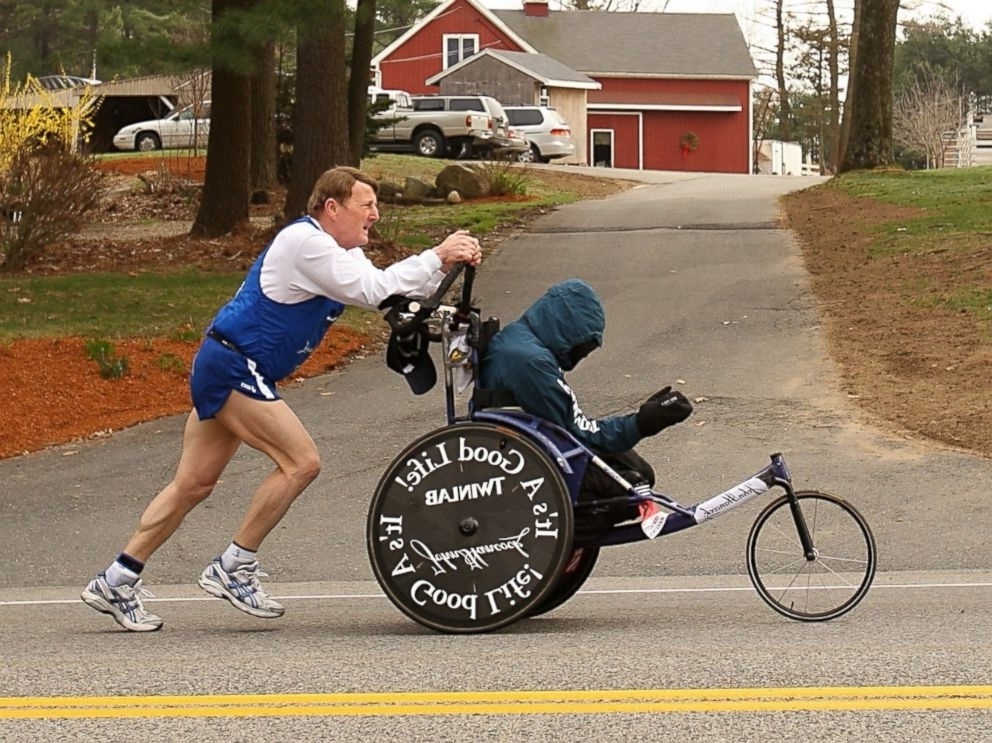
x: 661, y: 91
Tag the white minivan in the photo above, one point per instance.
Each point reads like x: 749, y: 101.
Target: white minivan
x: 549, y: 135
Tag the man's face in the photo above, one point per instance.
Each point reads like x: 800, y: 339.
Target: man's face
x: 352, y: 220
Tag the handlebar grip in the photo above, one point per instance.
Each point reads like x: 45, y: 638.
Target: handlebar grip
x: 434, y: 301
x: 445, y: 284
x: 405, y: 328
x: 465, y: 306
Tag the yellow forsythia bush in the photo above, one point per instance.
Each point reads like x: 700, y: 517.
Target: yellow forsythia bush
x: 46, y: 187
x: 31, y: 115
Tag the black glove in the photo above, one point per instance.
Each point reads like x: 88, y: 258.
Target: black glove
x: 663, y: 409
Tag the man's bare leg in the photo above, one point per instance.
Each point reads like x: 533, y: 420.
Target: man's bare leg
x: 208, y: 447
x: 272, y: 428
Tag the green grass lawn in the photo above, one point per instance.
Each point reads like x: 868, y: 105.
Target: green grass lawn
x: 953, y: 218
x: 955, y: 213
x: 180, y: 304
x: 953, y: 202
x: 112, y: 305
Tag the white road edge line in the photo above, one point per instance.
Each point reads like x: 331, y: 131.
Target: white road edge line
x: 591, y: 592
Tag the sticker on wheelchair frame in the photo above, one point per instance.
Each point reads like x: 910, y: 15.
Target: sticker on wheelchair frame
x: 653, y: 519
x: 729, y: 499
x: 469, y: 528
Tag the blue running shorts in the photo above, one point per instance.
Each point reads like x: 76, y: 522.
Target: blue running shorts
x: 217, y: 370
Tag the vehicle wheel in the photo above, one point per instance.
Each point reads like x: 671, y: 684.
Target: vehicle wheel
x: 817, y: 587
x: 429, y: 143
x: 577, y: 569
x: 461, y: 149
x: 147, y: 141
x: 529, y: 156
x: 469, y: 528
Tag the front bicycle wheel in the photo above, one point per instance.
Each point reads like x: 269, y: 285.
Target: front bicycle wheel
x: 822, y: 585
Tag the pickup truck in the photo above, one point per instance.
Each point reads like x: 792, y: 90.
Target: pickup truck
x: 446, y: 126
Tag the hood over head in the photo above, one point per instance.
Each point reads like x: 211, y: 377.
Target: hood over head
x: 569, y: 320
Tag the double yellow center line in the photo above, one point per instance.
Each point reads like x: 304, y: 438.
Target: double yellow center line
x: 399, y: 704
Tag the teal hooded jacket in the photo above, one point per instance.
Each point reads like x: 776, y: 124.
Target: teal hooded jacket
x: 529, y: 358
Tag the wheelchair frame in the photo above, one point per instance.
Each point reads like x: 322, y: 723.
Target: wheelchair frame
x: 471, y: 527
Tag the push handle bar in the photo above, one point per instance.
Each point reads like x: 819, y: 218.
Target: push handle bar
x: 406, y: 316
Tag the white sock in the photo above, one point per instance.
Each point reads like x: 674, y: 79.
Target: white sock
x: 234, y: 557
x: 118, y: 575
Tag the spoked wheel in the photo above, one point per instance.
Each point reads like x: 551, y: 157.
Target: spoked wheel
x: 577, y: 569
x: 469, y: 528
x: 822, y: 585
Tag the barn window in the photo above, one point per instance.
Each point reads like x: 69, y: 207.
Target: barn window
x: 458, y: 47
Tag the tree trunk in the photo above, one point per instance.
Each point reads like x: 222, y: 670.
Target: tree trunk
x: 226, y: 183
x: 263, y: 120
x: 784, y: 105
x: 833, y: 61
x: 852, y: 54
x: 320, y: 116
x: 358, y: 82
x: 870, y: 142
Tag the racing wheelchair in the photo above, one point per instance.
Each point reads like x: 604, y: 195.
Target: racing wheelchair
x: 473, y: 525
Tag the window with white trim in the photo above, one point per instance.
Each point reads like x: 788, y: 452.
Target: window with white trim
x: 458, y: 47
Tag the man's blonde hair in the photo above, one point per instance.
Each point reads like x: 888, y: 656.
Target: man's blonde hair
x: 336, y: 184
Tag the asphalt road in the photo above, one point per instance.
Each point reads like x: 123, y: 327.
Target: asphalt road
x: 667, y: 642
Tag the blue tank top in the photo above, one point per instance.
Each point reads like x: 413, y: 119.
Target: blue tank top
x: 278, y: 337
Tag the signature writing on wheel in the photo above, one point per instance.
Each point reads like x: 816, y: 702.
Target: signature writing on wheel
x: 473, y: 556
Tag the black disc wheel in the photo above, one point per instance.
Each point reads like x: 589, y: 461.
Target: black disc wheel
x: 469, y: 528
x: 824, y: 583
x: 577, y: 569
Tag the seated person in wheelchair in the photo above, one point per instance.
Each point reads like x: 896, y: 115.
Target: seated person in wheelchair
x: 524, y: 365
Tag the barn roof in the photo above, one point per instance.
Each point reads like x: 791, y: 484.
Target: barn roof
x: 541, y: 67
x: 607, y: 43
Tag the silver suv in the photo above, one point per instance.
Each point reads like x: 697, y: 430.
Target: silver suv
x: 549, y: 135
x: 503, y: 140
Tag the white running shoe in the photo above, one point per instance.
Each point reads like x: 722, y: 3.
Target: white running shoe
x: 123, y: 603
x: 241, y: 588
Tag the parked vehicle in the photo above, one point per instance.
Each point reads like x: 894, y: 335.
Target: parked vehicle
x: 549, y: 135
x: 175, y: 131
x: 448, y: 126
x: 390, y: 100
x: 512, y: 147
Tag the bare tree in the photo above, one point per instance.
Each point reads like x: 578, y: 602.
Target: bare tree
x: 785, y: 108
x: 925, y: 112
x: 835, y: 50
x: 193, y: 89
x: 765, y: 110
x: 616, y: 5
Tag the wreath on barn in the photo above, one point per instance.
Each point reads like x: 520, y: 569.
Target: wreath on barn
x: 688, y: 142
